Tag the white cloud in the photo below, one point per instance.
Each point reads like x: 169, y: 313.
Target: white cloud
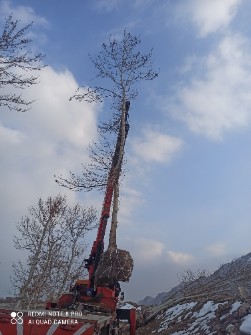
x: 217, y: 97
x: 51, y: 138
x: 130, y: 199
x: 188, y: 65
x: 10, y: 136
x: 108, y: 5
x: 147, y: 250
x: 141, y: 3
x: 217, y: 249
x: 25, y: 14
x: 65, y: 122
x: 209, y: 15
x: 179, y: 257
x: 156, y: 146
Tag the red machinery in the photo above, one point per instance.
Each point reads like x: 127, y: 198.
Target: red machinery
x: 86, y: 309
x: 84, y: 291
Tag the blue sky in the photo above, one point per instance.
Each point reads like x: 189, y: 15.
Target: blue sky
x: 186, y: 197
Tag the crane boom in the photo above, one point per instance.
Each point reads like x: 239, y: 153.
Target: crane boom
x: 98, y: 245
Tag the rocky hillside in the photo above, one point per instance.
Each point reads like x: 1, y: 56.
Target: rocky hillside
x: 149, y: 301
x: 216, y: 304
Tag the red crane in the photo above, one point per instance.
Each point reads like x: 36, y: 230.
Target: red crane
x: 103, y: 315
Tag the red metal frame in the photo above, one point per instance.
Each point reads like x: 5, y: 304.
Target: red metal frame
x: 99, y: 242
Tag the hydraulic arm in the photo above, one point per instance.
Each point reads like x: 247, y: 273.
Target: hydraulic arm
x: 98, y: 245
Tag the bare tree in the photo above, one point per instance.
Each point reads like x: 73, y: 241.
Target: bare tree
x: 119, y: 66
x: 52, y: 234
x: 18, y: 65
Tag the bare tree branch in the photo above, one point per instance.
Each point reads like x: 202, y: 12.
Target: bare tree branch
x: 17, y: 65
x: 53, y: 233
x: 120, y: 66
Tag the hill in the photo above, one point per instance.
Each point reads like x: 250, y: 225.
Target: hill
x: 149, y: 301
x: 216, y: 304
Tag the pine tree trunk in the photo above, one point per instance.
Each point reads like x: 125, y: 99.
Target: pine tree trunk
x: 115, y: 264
x: 117, y: 171
x: 114, y: 223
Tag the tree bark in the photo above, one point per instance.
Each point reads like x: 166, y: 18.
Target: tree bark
x: 117, y: 171
x: 114, y: 222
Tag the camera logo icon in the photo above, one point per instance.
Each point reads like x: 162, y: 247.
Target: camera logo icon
x: 16, y: 318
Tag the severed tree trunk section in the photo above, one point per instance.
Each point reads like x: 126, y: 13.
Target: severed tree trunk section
x: 115, y: 264
x: 119, y: 152
x: 114, y: 223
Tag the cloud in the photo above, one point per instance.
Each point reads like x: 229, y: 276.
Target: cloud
x: 147, y: 250
x: 209, y: 16
x: 71, y: 123
x: 10, y: 136
x: 217, y: 97
x: 53, y: 119
x: 139, y: 4
x: 131, y: 199
x: 156, y: 147
x: 25, y: 14
x: 217, y: 249
x: 51, y: 138
x: 108, y: 5
x: 179, y: 257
